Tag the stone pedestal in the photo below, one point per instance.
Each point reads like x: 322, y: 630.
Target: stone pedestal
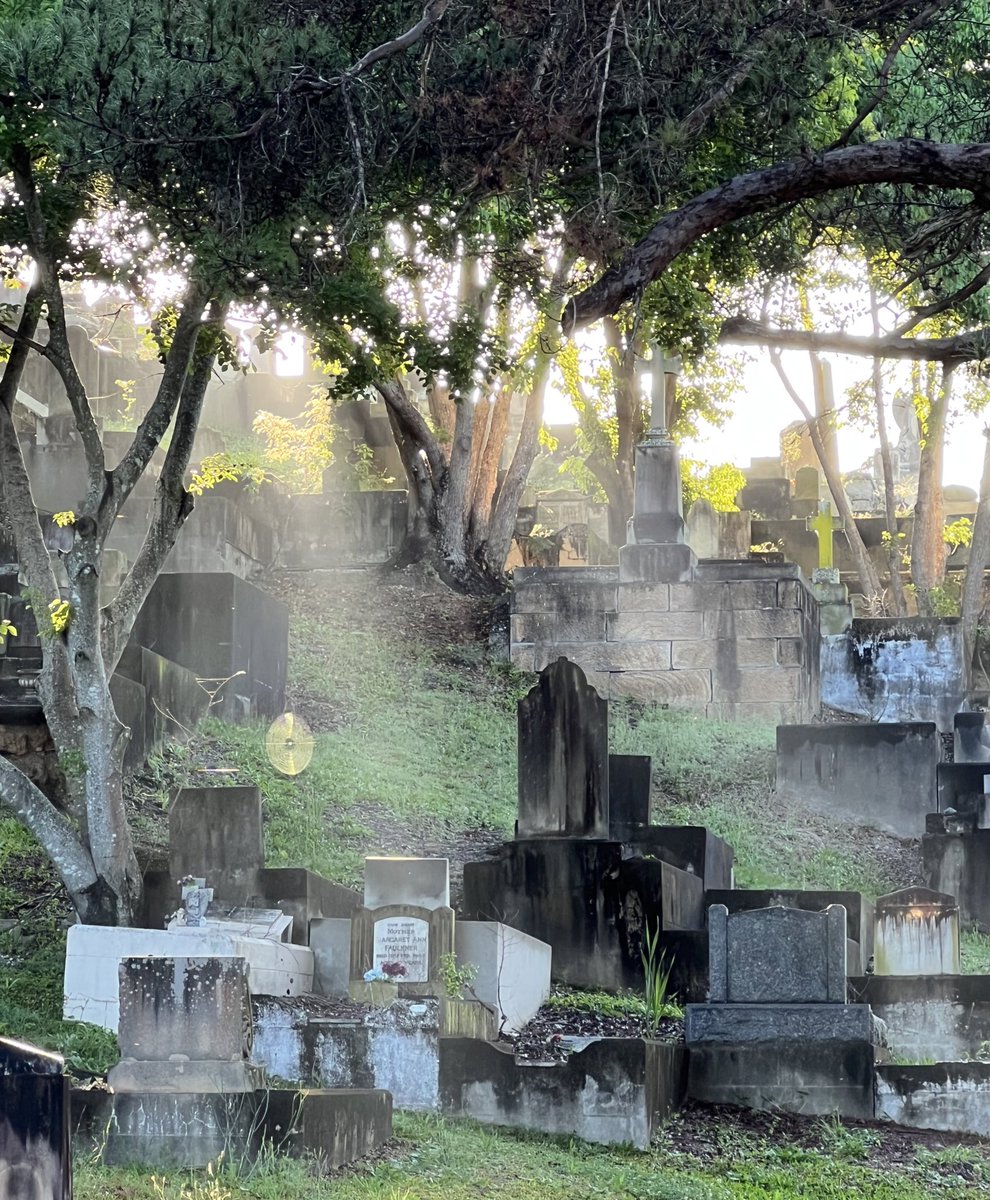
x: 658, y: 512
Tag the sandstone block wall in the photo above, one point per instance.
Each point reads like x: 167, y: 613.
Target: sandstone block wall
x: 732, y: 648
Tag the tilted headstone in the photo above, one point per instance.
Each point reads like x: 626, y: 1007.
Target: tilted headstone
x: 35, y: 1159
x: 777, y: 956
x: 917, y: 933
x: 563, y: 756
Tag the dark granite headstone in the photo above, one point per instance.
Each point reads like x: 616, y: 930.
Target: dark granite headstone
x: 563, y: 756
x: 35, y: 1162
x: 777, y: 955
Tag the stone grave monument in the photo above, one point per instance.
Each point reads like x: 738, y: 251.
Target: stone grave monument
x: 577, y: 875
x: 94, y: 953
x: 423, y: 976
x: 404, y: 929
x: 395, y: 944
x: 217, y: 834
x: 35, y: 1159
x: 917, y: 933
x: 187, y: 1091
x: 777, y: 1031
x: 732, y: 639
x: 184, y: 1087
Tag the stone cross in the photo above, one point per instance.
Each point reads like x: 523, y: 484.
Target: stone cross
x: 823, y: 525
x: 664, y: 370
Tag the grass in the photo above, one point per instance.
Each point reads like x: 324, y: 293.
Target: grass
x: 721, y: 774
x: 441, y: 1160
x: 975, y: 952
x: 605, y: 1004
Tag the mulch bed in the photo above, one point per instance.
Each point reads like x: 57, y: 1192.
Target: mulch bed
x: 546, y: 1037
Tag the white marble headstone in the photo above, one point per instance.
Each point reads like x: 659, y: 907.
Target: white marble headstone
x: 406, y: 941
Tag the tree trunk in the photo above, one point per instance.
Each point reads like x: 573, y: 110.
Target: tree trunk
x: 886, y: 466
x: 869, y: 580
x: 436, y: 524
x: 927, y: 538
x: 979, y: 557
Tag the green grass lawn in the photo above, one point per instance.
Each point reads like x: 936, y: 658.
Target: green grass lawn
x: 442, y: 1160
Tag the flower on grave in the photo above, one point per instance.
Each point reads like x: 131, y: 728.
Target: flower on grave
x: 373, y: 975
x: 393, y: 970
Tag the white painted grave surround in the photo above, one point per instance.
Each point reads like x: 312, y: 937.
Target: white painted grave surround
x: 93, y: 954
x: 917, y: 937
x: 404, y: 940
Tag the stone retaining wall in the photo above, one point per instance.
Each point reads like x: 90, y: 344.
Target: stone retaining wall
x: 737, y: 641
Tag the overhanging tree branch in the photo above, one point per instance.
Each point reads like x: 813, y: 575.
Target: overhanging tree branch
x: 963, y: 347
x: 906, y: 160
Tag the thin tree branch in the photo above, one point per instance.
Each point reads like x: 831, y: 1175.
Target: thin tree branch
x: 172, y: 506
x: 869, y: 106
x: 977, y: 283
x: 58, y: 350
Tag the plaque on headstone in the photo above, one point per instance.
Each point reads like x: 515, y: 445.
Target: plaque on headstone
x: 402, y: 949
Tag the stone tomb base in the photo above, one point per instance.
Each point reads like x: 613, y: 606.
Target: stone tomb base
x: 613, y: 1090
x: 587, y: 901
x: 945, y: 1017
x: 140, y: 1130
x: 813, y: 1059
x: 396, y: 1048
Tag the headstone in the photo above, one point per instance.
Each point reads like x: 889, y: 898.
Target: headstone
x: 703, y: 529
x: 629, y: 783
x: 215, y: 833
x: 777, y: 955
x: 404, y: 929
x: 971, y: 738
x: 861, y: 493
x: 423, y: 882
x: 563, y: 756
x: 768, y: 498
x: 806, y: 485
x: 185, y: 1026
x: 917, y: 933
x: 35, y: 1161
